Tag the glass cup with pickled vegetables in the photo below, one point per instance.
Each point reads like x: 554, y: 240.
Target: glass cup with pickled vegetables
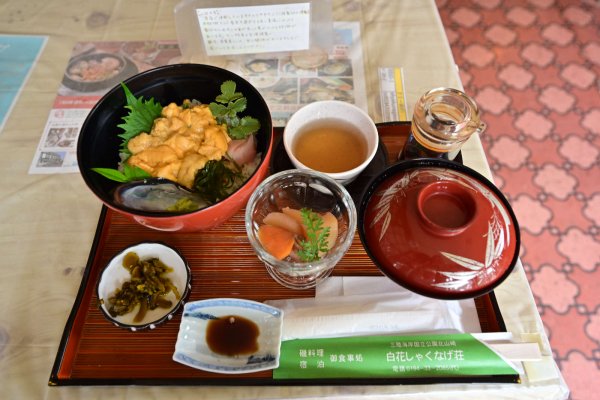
x: 300, y: 224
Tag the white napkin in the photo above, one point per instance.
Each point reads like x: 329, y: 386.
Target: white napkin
x: 355, y: 306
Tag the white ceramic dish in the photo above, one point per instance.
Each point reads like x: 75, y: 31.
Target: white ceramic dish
x: 192, y: 349
x: 114, y: 275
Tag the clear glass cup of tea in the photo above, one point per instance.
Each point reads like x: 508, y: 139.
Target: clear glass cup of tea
x: 289, y: 214
x: 332, y: 137
x: 443, y: 120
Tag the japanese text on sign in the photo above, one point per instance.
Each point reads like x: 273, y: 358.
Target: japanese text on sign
x: 255, y: 29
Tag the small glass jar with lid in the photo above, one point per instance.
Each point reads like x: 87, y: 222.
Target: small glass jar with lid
x: 443, y: 119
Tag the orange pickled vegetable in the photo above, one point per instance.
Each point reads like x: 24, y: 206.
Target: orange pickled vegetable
x: 276, y: 241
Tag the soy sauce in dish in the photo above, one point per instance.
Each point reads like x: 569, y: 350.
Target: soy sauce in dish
x: 232, y: 335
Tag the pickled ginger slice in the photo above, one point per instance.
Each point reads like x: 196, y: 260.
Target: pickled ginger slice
x: 284, y: 221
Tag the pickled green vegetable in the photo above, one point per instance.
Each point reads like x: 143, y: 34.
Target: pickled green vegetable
x: 148, y: 287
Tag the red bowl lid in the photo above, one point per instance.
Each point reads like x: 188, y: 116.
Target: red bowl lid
x: 439, y: 229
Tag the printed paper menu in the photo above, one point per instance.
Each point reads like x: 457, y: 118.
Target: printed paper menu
x: 93, y: 69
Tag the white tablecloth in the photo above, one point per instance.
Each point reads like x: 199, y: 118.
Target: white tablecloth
x: 47, y: 222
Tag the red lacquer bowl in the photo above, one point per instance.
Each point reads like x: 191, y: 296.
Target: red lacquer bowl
x: 439, y: 229
x: 98, y: 144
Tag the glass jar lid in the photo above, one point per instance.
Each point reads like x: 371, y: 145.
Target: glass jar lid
x: 447, y: 117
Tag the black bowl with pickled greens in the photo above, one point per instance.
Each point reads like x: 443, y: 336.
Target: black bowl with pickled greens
x: 99, y: 142
x: 143, y: 286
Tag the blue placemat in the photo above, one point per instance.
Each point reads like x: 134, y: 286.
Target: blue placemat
x: 18, y: 54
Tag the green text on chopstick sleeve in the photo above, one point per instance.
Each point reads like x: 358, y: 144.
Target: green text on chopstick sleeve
x: 389, y: 357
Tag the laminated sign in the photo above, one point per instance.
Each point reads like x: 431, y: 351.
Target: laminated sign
x: 255, y: 29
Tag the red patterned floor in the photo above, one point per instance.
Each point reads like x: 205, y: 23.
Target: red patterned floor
x: 534, y: 68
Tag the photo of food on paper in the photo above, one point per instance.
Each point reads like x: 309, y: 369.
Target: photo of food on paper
x: 283, y: 91
x: 260, y: 66
x: 341, y: 67
x: 317, y: 89
x: 288, y: 68
x: 96, y: 67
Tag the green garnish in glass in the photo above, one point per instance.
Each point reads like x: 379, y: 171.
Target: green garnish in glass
x: 316, y: 237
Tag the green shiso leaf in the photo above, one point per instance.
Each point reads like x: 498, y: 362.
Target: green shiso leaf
x: 112, y: 174
x: 128, y: 174
x: 142, y: 114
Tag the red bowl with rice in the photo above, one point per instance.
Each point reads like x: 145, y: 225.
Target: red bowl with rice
x: 99, y: 143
